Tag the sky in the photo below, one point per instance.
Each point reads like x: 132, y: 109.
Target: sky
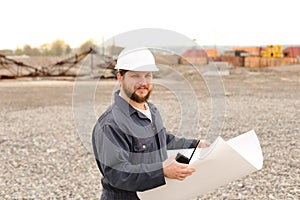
x: 211, y: 22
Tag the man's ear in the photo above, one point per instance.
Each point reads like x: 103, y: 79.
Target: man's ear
x: 119, y: 76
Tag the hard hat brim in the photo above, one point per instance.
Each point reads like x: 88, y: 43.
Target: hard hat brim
x: 144, y: 68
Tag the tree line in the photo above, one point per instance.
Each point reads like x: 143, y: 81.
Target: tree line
x: 56, y: 48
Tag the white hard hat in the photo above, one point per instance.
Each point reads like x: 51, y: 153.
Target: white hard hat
x: 140, y: 59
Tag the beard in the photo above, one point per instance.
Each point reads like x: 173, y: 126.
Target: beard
x: 135, y: 97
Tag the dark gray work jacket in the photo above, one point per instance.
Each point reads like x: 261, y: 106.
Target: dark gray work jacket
x: 129, y: 149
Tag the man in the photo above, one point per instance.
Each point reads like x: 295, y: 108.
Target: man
x: 129, y: 140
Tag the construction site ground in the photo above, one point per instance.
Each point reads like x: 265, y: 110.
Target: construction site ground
x: 44, y: 157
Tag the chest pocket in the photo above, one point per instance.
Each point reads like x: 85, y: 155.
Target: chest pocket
x: 143, y: 145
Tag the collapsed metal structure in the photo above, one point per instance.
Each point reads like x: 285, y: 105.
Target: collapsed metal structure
x: 12, y: 68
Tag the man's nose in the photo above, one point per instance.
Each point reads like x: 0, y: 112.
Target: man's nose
x: 143, y: 81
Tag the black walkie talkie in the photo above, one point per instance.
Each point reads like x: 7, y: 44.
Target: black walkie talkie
x: 183, y: 159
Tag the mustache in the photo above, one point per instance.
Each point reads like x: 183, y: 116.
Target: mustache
x: 142, y: 86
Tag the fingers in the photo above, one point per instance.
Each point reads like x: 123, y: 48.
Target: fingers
x: 203, y: 144
x: 176, y: 170
x: 188, y: 171
x: 185, y: 167
x: 184, y: 171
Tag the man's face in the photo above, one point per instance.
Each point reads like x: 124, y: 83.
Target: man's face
x: 137, y: 85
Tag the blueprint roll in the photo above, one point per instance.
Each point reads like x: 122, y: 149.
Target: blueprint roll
x: 220, y: 164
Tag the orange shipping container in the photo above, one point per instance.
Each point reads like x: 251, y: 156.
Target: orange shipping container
x: 252, y: 61
x: 271, y: 62
x: 290, y: 61
x: 212, y: 53
x: 292, y: 51
x: 252, y: 50
x: 264, y: 62
x: 233, y: 60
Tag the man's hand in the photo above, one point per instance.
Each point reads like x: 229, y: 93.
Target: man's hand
x: 175, y: 170
x: 203, y: 144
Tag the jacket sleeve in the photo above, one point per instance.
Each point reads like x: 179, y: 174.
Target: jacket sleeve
x: 113, y: 151
x: 174, y: 142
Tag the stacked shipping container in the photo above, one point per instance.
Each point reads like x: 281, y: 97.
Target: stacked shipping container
x: 259, y: 57
x: 245, y: 56
x: 292, y: 51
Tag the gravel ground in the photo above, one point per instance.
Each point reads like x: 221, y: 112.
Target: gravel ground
x: 43, y: 157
